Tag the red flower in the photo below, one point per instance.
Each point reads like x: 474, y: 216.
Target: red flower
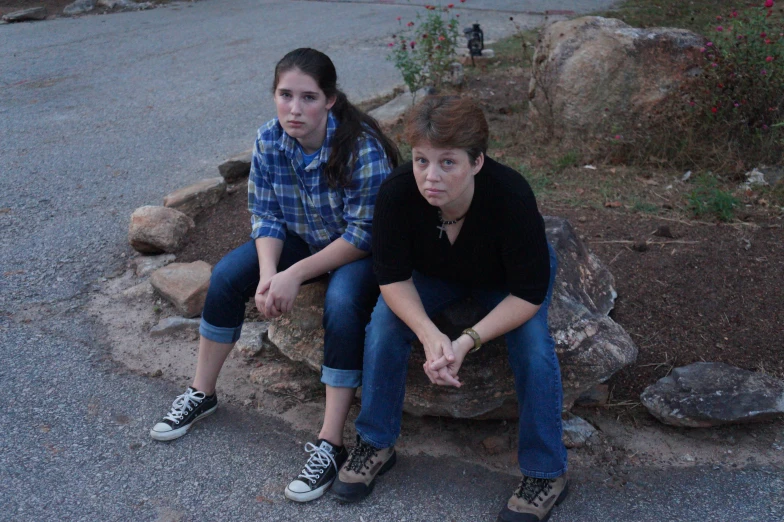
x: 617, y: 136
x: 734, y: 14
x: 714, y: 110
x: 424, y: 36
x: 398, y: 18
x: 768, y: 41
x: 390, y: 44
x: 763, y: 35
x: 413, y: 44
x: 709, y: 44
x: 450, y: 6
x: 769, y: 59
x: 462, y: 1
x: 768, y: 3
x: 410, y: 24
x: 719, y: 28
x: 718, y: 18
x: 441, y: 38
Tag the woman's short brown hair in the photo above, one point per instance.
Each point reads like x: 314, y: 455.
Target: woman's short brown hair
x: 448, y: 122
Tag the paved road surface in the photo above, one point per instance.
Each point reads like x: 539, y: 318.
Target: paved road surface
x: 102, y: 114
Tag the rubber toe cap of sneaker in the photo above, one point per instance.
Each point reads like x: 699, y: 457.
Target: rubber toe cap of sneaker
x: 297, y: 486
x: 161, y: 427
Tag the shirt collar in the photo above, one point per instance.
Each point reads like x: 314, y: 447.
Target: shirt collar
x: 288, y: 145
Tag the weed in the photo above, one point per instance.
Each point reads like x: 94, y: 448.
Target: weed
x: 643, y: 207
x: 567, y: 160
x: 708, y: 199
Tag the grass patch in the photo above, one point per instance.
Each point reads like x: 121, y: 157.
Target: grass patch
x: 708, y: 199
x: 694, y: 16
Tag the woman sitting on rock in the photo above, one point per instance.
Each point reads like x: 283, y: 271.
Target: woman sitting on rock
x: 314, y: 178
x: 450, y: 225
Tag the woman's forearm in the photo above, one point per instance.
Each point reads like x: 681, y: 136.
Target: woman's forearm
x: 268, y: 250
x: 403, y: 299
x: 338, y: 253
x: 505, y: 317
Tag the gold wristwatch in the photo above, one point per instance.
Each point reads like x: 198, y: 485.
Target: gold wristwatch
x: 470, y: 332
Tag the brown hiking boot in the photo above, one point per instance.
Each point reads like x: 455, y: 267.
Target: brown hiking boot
x: 534, y: 500
x: 358, y: 475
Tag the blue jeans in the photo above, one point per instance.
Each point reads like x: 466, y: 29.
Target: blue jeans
x: 532, y: 357
x: 351, y: 294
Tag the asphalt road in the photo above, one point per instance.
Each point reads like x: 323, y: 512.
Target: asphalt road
x: 102, y: 114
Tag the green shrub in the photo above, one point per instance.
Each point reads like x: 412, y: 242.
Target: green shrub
x: 423, y: 50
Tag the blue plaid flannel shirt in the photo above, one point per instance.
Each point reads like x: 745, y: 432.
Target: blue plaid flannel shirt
x: 284, y: 194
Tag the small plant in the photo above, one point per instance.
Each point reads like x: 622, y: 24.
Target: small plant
x: 423, y: 50
x: 567, y: 160
x: 708, y: 198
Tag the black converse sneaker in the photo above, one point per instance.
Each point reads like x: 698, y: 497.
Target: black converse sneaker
x: 186, y: 409
x: 319, y: 472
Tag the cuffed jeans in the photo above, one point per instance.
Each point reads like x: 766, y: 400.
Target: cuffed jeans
x: 537, y: 375
x: 351, y: 294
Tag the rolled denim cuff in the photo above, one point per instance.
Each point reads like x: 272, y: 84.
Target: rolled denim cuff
x: 341, y: 378
x: 219, y: 334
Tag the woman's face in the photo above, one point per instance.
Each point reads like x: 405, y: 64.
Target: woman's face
x: 302, y: 108
x: 445, y: 177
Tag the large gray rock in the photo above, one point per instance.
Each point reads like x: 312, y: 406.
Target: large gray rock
x: 596, y: 75
x: 184, y: 285
x: 79, y: 7
x: 591, y: 347
x: 26, y: 15
x: 702, y: 395
x: 237, y: 167
x: 193, y: 199
x: 155, y: 230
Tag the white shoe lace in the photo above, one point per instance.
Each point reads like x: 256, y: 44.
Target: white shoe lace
x: 319, y: 460
x: 184, y: 404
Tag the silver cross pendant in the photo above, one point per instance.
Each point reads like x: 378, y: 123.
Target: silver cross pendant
x: 442, y: 229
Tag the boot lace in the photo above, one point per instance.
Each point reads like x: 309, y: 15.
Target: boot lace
x: 320, y: 459
x: 184, y: 404
x: 534, y: 489
x: 359, y: 456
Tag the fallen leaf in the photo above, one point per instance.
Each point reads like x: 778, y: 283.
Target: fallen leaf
x: 5, y: 210
x: 45, y: 428
x: 612, y: 204
x: 260, y: 498
x: 580, y: 191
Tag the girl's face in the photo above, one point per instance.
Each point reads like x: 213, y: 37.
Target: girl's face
x: 445, y: 177
x: 302, y: 109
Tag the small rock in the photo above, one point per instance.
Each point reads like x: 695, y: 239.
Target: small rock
x: 596, y: 396
x: 252, y: 339
x: 193, y: 199
x: 171, y: 325
x: 640, y: 246
x: 157, y: 373
x: 185, y: 285
x: 236, y: 167
x: 147, y: 264
x: 664, y: 231
x: 456, y: 74
x: 143, y: 290
x: 582, y: 219
x: 26, y: 15
x: 79, y: 7
x: 576, y: 431
x: 495, y: 444
x: 154, y: 230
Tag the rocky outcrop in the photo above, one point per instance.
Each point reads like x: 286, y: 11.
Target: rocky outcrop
x: 26, y: 15
x: 155, y: 230
x: 596, y: 75
x: 193, y: 199
x: 184, y: 285
x: 707, y: 394
x: 591, y: 347
x: 237, y: 167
